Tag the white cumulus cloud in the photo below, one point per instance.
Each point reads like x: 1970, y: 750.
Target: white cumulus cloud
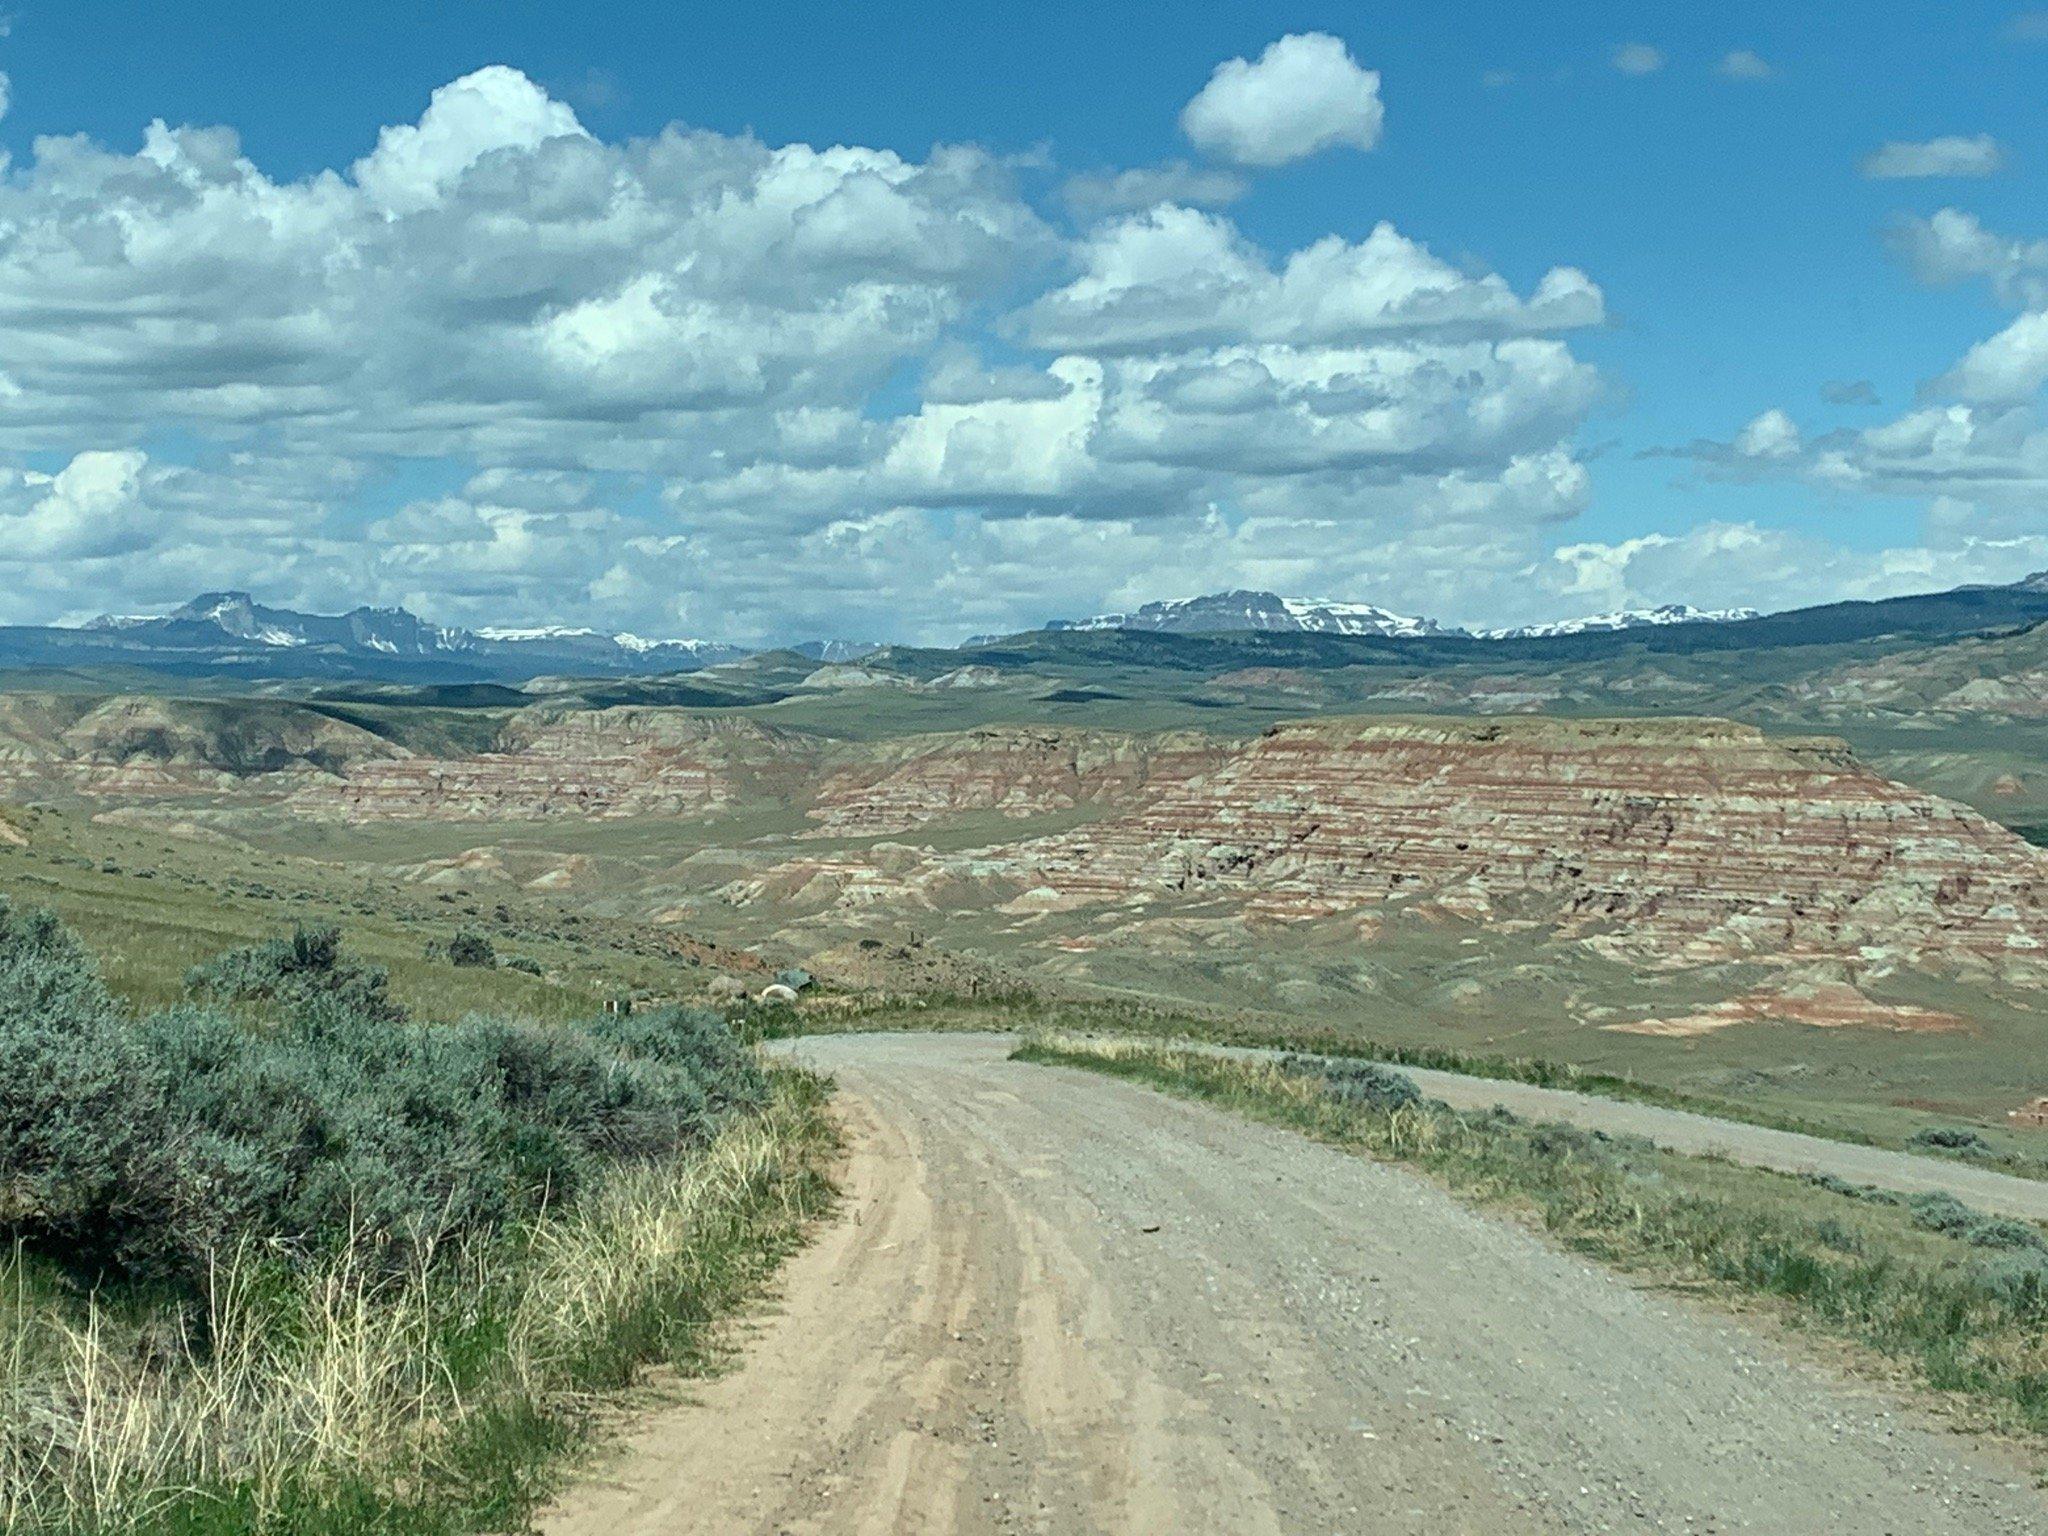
x: 2002, y: 369
x: 1951, y: 155
x: 1304, y: 94
x: 1770, y: 436
x: 1178, y: 277
x: 693, y: 382
x: 495, y: 108
x: 1637, y: 58
x: 1952, y: 246
x: 1745, y: 64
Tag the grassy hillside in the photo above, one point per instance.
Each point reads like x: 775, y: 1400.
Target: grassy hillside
x: 153, y: 904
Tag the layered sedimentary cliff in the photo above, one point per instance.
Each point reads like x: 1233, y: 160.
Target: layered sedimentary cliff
x: 1669, y: 843
x: 141, y: 747
x: 550, y: 761
x: 633, y: 761
x: 1014, y: 771
x: 1672, y: 842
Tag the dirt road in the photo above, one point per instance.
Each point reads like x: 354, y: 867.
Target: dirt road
x: 1759, y: 1146
x: 1058, y: 1303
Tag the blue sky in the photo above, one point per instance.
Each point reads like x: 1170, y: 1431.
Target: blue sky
x: 1742, y: 257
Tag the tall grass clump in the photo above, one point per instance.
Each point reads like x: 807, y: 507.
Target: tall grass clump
x: 1960, y: 1296
x: 309, y: 1266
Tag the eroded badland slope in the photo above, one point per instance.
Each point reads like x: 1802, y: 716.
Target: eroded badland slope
x: 1681, y: 897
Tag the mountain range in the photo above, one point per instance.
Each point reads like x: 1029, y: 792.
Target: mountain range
x: 230, y: 635
x: 231, y: 632
x: 1224, y: 612
x: 1229, y: 612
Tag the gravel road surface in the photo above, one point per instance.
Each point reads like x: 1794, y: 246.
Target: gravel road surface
x: 1054, y: 1302
x: 1682, y: 1131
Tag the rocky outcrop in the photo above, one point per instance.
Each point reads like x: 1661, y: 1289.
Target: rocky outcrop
x: 1680, y: 840
x: 1826, y: 1004
x: 1667, y: 843
x: 647, y: 761
x: 558, y: 761
x: 142, y: 747
x: 852, y: 675
x: 1013, y: 771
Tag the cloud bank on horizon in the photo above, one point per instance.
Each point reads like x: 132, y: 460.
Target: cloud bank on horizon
x: 698, y: 383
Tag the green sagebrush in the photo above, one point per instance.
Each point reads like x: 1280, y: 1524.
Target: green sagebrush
x: 297, y: 970
x: 146, y: 1146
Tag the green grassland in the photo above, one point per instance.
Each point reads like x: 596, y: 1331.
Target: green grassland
x: 152, y: 905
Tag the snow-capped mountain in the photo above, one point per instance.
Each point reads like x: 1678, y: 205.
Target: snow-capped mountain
x: 231, y: 631
x: 1631, y: 618
x: 237, y: 616
x: 1255, y: 610
x: 1243, y: 610
x: 594, y: 644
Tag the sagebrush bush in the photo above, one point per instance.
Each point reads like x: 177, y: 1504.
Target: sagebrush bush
x: 1357, y: 1082
x: 472, y: 947
x: 294, y: 971
x: 2018, y: 1283
x: 696, y: 1040
x: 80, y: 1099
x: 1950, y: 1138
x: 2002, y: 1232
x: 147, y: 1146
x: 1941, y: 1212
x: 332, y: 1397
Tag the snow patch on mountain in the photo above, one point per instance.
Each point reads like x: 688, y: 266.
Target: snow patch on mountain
x: 1253, y: 610
x: 538, y: 632
x: 1629, y: 618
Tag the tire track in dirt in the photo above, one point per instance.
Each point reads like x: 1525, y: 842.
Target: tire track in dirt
x: 1053, y: 1302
